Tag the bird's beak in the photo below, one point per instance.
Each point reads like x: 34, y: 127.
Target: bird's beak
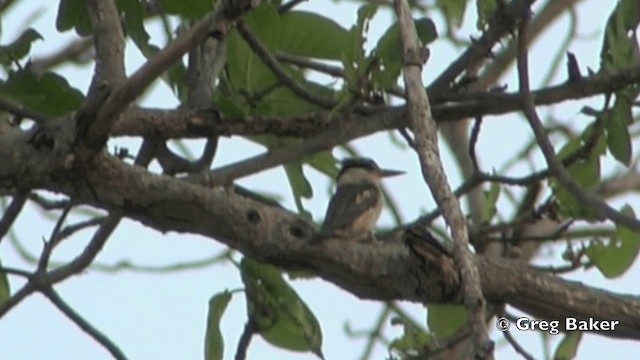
x: 388, y: 173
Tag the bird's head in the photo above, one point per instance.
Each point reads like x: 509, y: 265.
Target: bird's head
x: 363, y: 170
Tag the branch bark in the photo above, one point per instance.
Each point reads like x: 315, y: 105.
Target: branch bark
x: 426, y: 145
x: 388, y: 271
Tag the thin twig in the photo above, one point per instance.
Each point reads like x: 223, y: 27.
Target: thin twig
x: 473, y: 140
x: 21, y: 111
x: 11, y: 213
x: 503, y: 21
x: 14, y: 271
x: 250, y: 329
x: 53, y: 239
x: 271, y: 62
x: 555, y: 166
x: 89, y: 253
x: 69, y: 230
x: 218, y: 22
x: 516, y: 346
x: 303, y: 62
x: 16, y: 298
x: 83, y: 324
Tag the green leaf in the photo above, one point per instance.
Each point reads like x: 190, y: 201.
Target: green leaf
x: 325, y: 163
x: 490, y: 200
x: 5, y: 290
x: 312, y: 35
x: 617, y: 257
x: 247, y: 74
x: 620, y: 45
x: 192, y: 9
x: 353, y: 59
x: 453, y: 11
x: 300, y: 186
x: 486, y: 9
x: 72, y: 14
x: 617, y: 125
x: 281, y: 316
x: 214, y: 342
x: 412, y: 340
x: 445, y: 320
x: 133, y: 13
x: 20, y: 47
x: 568, y: 347
x: 284, y: 102
x: 48, y: 93
x: 585, y: 172
x: 228, y: 107
x: 389, y: 50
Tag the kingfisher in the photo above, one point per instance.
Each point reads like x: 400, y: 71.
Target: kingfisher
x: 356, y: 205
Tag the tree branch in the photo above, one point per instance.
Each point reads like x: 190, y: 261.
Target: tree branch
x: 451, y: 107
x: 11, y: 213
x: 503, y: 21
x: 218, y: 22
x: 265, y: 232
x: 425, y: 133
x: 83, y: 324
x: 555, y: 166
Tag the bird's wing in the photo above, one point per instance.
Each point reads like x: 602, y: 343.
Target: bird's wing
x: 348, y: 203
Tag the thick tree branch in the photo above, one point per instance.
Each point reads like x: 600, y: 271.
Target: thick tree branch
x: 218, y: 22
x: 426, y: 141
x: 452, y: 107
x: 109, y: 41
x: 387, y: 271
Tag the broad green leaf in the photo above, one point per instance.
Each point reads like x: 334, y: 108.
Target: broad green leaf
x: 325, y: 163
x: 486, y: 9
x: 300, y: 186
x: 412, y: 340
x: 353, y: 59
x: 193, y: 9
x: 281, y: 101
x: 453, y: 11
x: 389, y: 50
x: 615, y: 258
x: 617, y: 125
x: 312, y: 35
x: 490, y: 200
x: 568, y: 347
x: 228, y: 107
x: 133, y: 13
x: 585, y: 172
x: 282, y: 317
x: 5, y: 290
x: 72, y: 14
x: 389, y: 47
x: 20, y: 47
x: 214, y: 342
x: 48, y: 93
x: 620, y: 44
x: 445, y: 320
x: 246, y: 72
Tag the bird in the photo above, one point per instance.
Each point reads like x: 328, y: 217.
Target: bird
x: 356, y: 205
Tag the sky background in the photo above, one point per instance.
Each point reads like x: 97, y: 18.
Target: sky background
x: 163, y: 316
